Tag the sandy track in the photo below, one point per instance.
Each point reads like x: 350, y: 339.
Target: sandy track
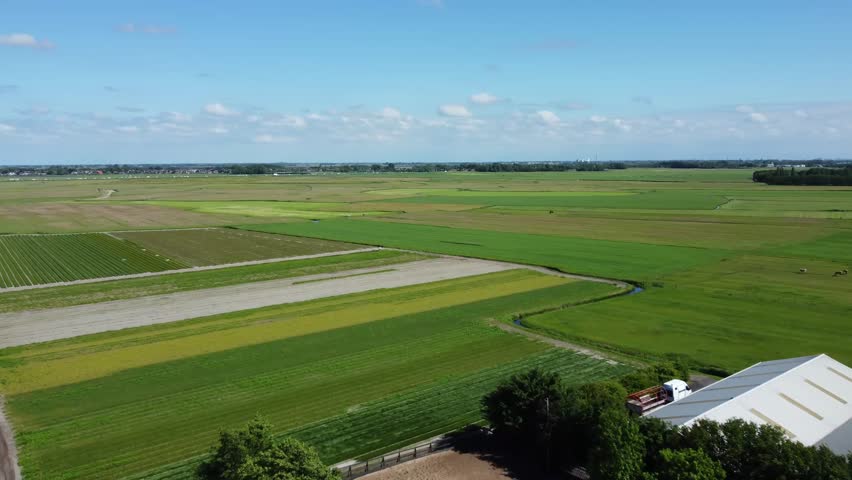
x: 22, y: 328
x: 8, y: 454
x: 449, y: 465
x: 190, y: 269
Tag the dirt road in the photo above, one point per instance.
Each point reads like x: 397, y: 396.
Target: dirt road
x: 43, y: 325
x: 449, y: 465
x: 8, y: 454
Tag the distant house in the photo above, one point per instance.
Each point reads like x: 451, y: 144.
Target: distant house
x: 809, y: 398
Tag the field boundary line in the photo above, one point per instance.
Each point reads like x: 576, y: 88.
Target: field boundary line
x: 57, y: 234
x: 536, y: 268
x: 9, y: 469
x: 190, y: 269
x: 597, y: 355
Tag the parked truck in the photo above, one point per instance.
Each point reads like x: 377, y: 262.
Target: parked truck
x: 644, y: 401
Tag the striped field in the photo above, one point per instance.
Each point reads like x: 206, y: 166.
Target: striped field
x: 40, y: 259
x: 353, y: 375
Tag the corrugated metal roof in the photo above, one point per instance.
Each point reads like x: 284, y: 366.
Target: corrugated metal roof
x: 810, y: 398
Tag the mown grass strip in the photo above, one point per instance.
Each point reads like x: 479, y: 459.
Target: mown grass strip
x: 138, y: 420
x: 260, y: 326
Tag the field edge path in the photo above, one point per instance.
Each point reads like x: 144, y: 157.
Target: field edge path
x: 9, y: 469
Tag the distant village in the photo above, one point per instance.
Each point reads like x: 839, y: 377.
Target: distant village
x: 583, y: 164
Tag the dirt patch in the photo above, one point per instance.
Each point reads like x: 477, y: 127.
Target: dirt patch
x: 104, y: 194
x: 8, y: 453
x: 449, y: 465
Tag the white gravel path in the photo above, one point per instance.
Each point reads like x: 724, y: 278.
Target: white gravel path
x: 34, y: 326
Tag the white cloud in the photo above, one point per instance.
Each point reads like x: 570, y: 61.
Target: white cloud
x: 758, y: 117
x: 273, y: 139
x: 219, y: 110
x: 483, y: 98
x: 293, y: 121
x: 451, y: 110
x: 127, y: 129
x: 621, y: 124
x: 801, y: 114
x: 23, y: 40
x: 745, y: 108
x: 5, y: 128
x: 390, y: 113
x: 597, y: 118
x: 547, y: 117
x: 178, y: 117
x: 219, y: 130
x: 149, y: 29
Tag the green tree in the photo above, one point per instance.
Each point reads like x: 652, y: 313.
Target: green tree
x: 748, y: 451
x: 519, y: 406
x: 583, y: 407
x: 619, y: 451
x: 253, y: 453
x: 688, y: 464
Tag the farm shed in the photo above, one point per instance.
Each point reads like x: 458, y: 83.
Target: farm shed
x: 810, y: 398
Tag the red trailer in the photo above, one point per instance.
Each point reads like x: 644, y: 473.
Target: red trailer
x: 645, y: 400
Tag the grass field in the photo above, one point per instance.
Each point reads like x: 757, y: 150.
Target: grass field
x: 142, y: 401
x: 718, y: 255
x: 38, y: 259
x: 221, y: 245
x: 614, y: 259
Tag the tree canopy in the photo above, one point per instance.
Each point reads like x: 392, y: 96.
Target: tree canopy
x: 253, y: 453
x: 588, y: 425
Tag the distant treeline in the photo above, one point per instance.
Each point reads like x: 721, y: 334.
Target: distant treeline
x: 319, y: 168
x: 807, y: 176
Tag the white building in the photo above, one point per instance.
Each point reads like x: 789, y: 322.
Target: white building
x: 809, y: 398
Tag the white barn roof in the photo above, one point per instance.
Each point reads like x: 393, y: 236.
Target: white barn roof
x: 810, y: 398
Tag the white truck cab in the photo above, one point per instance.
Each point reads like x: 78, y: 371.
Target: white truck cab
x: 675, y: 390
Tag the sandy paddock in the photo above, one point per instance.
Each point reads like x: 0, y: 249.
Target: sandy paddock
x: 449, y: 465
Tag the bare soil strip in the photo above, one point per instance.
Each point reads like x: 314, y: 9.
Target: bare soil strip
x: 35, y: 326
x: 192, y: 269
x: 9, y: 469
x: 449, y: 465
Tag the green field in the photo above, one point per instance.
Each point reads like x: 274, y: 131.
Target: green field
x: 613, y: 259
x: 81, y: 406
x: 38, y: 259
x: 214, y: 246
x: 719, y: 258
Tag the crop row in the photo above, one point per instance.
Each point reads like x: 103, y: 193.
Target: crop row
x: 136, y: 420
x: 179, y: 425
x: 417, y: 414
x: 39, y: 259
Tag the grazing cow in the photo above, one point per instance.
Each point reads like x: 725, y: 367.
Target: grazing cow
x: 837, y: 274
x: 803, y: 270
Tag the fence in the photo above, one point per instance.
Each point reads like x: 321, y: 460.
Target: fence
x: 390, y: 459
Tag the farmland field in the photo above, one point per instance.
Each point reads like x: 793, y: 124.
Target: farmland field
x: 733, y: 273
x: 38, y: 259
x: 81, y: 406
x: 221, y: 245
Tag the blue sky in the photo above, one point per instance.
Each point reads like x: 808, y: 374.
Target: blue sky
x: 422, y: 80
